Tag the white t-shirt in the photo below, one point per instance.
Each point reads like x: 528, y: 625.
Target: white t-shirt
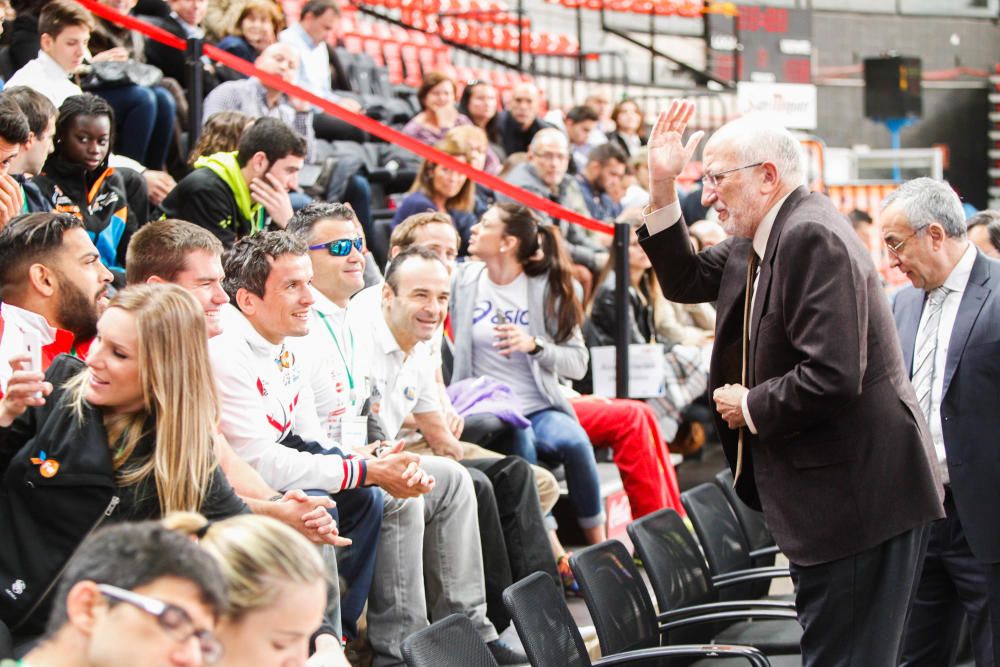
x: 516, y: 370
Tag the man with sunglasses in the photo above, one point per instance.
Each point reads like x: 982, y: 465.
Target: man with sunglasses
x: 815, y: 411
x: 134, y: 594
x: 237, y: 194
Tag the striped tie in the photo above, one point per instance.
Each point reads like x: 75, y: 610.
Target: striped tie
x: 926, y: 349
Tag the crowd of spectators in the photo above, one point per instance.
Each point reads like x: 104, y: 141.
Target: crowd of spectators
x: 218, y: 341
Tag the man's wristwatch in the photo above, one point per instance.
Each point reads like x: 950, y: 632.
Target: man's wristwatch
x: 539, y: 346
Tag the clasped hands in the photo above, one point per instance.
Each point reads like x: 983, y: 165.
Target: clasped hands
x: 729, y: 404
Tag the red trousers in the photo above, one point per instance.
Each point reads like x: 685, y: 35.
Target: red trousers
x: 630, y: 429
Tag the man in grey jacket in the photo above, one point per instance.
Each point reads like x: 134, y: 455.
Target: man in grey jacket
x: 545, y: 174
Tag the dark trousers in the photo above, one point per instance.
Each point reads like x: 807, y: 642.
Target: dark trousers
x: 496, y: 568
x: 953, y: 584
x: 517, y: 497
x: 853, y: 610
x: 333, y: 129
x: 145, y: 122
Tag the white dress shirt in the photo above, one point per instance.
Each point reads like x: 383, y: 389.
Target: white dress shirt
x: 669, y: 215
x: 957, y: 281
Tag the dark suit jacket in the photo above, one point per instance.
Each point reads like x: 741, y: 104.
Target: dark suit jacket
x: 970, y: 419
x: 842, y: 460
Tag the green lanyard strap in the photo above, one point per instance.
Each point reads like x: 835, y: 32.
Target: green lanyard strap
x: 348, y: 366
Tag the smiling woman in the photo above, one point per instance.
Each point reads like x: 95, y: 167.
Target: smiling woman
x: 128, y: 436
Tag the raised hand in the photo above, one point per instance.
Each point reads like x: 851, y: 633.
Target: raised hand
x: 668, y: 153
x: 26, y: 388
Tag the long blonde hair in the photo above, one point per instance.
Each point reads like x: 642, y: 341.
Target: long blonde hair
x: 177, y: 391
x: 257, y: 554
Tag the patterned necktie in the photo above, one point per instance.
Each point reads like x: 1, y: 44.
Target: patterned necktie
x: 926, y: 349
x: 752, y: 261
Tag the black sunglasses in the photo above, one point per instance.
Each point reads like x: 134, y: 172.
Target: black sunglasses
x: 340, y: 247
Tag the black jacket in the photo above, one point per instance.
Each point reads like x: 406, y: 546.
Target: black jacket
x: 34, y: 200
x: 44, y: 518
x: 204, y: 198
x: 112, y: 203
x: 171, y: 60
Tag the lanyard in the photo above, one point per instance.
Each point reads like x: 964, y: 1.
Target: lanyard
x: 347, y: 366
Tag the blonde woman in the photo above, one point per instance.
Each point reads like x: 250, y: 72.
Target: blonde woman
x: 277, y: 592
x: 126, y: 436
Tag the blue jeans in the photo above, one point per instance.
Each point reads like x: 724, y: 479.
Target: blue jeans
x: 555, y: 437
x: 145, y: 122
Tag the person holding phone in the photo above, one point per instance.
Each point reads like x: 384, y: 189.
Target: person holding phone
x: 126, y: 436
x: 238, y: 194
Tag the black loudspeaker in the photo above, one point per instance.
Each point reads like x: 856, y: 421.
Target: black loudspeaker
x: 892, y: 88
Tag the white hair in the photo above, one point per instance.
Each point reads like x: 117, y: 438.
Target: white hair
x: 924, y: 201
x: 758, y: 137
x: 548, y: 133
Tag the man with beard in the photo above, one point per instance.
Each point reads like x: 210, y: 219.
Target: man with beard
x: 53, y: 287
x: 815, y: 411
x: 601, y: 181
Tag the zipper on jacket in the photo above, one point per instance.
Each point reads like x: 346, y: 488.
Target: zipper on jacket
x: 108, y: 511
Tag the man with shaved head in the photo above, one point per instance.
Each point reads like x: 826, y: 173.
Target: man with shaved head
x: 819, y: 421
x: 519, y: 124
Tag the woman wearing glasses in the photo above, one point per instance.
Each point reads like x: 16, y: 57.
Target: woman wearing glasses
x: 438, y: 188
x: 277, y: 592
x: 126, y: 436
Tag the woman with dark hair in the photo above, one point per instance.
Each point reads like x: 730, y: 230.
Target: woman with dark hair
x: 76, y: 178
x: 479, y: 102
x: 628, y: 122
x: 984, y: 231
x: 438, y: 188
x: 516, y: 318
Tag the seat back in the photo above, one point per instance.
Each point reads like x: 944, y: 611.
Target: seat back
x: 673, y: 562
x: 617, y: 598
x: 754, y: 527
x: 544, y: 624
x: 450, y: 641
x: 721, y: 537
x: 7, y: 67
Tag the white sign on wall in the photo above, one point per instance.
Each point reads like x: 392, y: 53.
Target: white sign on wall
x: 792, y: 104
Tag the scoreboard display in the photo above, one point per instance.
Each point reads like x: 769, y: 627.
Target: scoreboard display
x: 761, y: 44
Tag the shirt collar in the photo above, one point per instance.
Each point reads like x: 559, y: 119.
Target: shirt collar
x: 384, y: 337
x: 29, y: 320
x: 304, y: 35
x: 959, y: 276
x: 191, y: 30
x: 51, y: 67
x: 763, y: 232
x: 236, y: 322
x: 327, y: 307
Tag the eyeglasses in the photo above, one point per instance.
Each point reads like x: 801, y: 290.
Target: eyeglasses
x: 175, y: 621
x: 713, y: 180
x: 340, y: 247
x: 551, y: 157
x: 894, y: 248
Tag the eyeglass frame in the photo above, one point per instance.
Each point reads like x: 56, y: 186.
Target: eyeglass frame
x: 211, y: 648
x: 709, y: 180
x: 357, y: 242
x: 894, y: 249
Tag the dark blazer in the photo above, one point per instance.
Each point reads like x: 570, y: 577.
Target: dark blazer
x: 171, y: 60
x: 970, y: 420
x: 842, y: 460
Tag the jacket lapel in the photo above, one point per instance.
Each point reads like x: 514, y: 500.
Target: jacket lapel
x: 910, y: 305
x: 969, y: 308
x: 766, y: 266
